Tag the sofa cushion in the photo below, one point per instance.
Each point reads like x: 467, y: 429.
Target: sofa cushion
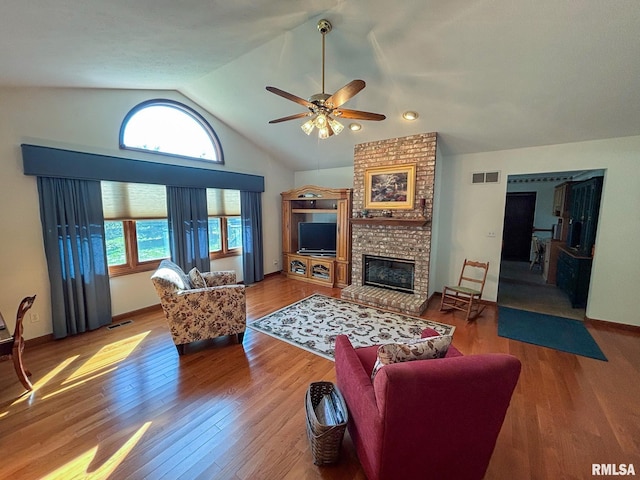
x: 196, y: 278
x: 423, y: 349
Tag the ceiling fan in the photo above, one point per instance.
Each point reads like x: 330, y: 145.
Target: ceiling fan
x: 323, y: 106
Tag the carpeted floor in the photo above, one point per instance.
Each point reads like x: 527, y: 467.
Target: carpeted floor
x: 314, y: 322
x: 564, y: 334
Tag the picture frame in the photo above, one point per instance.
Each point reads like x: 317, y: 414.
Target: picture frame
x: 390, y: 187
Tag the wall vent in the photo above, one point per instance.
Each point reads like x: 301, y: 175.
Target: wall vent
x: 485, y: 177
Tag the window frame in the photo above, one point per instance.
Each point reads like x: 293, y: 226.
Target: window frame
x: 225, y: 251
x: 133, y: 264
x: 163, y: 102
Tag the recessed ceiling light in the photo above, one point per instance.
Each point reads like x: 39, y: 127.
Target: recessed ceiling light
x: 410, y: 115
x: 355, y: 127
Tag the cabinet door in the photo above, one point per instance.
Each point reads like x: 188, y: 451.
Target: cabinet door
x: 547, y: 257
x: 297, y: 265
x: 343, y: 231
x: 592, y: 210
x: 561, y: 200
x: 577, y: 203
x: 321, y: 269
x: 287, y: 234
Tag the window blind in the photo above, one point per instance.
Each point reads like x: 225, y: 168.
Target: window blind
x: 223, y: 202
x: 130, y: 201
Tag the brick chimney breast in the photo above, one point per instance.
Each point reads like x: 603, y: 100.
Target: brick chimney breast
x: 407, y: 242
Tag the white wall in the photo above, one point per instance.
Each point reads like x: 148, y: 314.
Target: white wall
x: 329, y: 178
x: 438, y: 213
x: 474, y: 210
x: 89, y: 120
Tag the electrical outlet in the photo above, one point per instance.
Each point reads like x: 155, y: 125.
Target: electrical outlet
x: 34, y: 317
x: 275, y: 262
x: 491, y: 234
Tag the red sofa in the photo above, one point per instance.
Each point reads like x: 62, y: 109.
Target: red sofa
x: 427, y: 418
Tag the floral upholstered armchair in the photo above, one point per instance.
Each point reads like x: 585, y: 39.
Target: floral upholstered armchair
x: 199, y: 306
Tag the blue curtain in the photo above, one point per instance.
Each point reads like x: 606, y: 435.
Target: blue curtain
x: 252, y: 256
x: 74, y: 243
x: 188, y: 227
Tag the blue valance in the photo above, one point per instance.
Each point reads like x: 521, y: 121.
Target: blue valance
x: 54, y: 162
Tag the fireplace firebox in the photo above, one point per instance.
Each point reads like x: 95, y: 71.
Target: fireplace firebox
x: 392, y: 273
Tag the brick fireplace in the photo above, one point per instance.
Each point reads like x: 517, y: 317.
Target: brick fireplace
x: 405, y: 237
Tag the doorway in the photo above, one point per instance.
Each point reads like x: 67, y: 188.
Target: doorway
x: 519, y: 213
x: 521, y: 285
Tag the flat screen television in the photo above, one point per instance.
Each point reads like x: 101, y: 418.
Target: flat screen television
x: 317, y: 238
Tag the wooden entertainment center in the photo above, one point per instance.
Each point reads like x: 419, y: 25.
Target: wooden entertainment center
x: 317, y: 204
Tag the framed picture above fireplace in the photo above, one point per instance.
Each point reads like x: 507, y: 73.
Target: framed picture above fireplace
x: 390, y: 188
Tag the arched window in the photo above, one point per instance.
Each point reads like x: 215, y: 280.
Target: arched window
x: 170, y: 128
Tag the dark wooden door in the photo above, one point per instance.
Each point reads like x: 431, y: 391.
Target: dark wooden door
x: 518, y: 226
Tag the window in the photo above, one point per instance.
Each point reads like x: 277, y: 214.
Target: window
x: 170, y: 128
x: 136, y: 245
x: 225, y: 236
x: 136, y: 227
x: 225, y: 233
x: 137, y: 230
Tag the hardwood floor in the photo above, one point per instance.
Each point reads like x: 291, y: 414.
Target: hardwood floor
x: 121, y: 404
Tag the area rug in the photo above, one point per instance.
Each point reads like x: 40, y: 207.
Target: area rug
x: 564, y: 334
x: 314, y: 322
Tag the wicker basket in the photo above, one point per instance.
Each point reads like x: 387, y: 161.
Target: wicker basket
x: 325, y: 440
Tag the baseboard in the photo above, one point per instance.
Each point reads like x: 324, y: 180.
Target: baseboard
x: 616, y: 325
x: 32, y: 342
x: 488, y: 303
x: 592, y: 321
x: 124, y: 316
x: 273, y: 274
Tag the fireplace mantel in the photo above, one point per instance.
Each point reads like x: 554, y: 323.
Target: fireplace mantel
x: 398, y: 222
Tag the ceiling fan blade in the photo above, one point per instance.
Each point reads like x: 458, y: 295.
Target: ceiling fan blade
x: 358, y: 115
x: 290, y: 96
x: 345, y: 93
x: 290, y: 117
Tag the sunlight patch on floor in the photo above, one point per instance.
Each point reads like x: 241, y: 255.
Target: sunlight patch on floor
x: 76, y: 384
x: 79, y: 466
x: 107, y: 356
x: 44, y: 380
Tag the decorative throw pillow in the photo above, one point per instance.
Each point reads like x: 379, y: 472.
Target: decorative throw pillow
x: 422, y: 349
x: 196, y: 278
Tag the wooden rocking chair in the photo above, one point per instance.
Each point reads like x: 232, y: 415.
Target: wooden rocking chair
x: 467, y: 294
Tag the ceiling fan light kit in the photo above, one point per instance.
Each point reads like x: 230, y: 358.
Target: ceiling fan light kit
x: 322, y: 106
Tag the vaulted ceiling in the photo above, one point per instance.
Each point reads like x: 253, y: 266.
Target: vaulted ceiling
x: 485, y: 74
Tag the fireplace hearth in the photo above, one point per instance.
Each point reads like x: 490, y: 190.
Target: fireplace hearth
x: 391, y: 273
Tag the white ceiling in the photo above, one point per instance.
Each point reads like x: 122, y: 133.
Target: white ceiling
x: 485, y: 74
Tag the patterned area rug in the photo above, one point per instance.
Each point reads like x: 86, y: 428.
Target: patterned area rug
x: 314, y: 322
